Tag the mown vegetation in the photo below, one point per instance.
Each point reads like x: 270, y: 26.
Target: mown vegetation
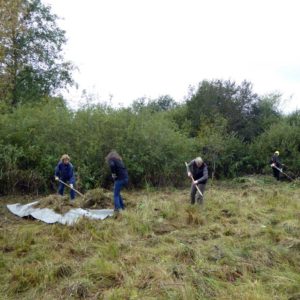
x: 245, y: 244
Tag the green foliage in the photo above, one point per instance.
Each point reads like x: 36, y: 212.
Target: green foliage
x: 233, y: 129
x: 163, y: 103
x: 152, y: 147
x: 284, y: 137
x: 31, y: 60
x: 222, y: 98
x: 223, y: 151
x: 156, y: 150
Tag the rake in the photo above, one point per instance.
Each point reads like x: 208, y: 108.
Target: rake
x: 71, y: 187
x: 194, y: 180
x: 290, y: 178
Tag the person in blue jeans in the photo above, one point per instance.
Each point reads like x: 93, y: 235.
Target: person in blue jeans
x: 64, y: 171
x: 120, y: 176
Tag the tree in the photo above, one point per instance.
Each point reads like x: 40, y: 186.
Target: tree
x: 31, y: 60
x: 162, y: 103
x: 222, y: 151
x: 283, y: 136
x: 264, y: 113
x: 223, y: 98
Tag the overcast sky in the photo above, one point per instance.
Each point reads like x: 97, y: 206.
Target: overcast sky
x: 129, y: 49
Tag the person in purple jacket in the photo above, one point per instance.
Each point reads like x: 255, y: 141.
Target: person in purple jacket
x: 64, y: 171
x: 120, y: 176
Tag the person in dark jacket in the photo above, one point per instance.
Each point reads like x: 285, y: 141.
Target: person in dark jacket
x: 64, y: 171
x: 276, y: 165
x: 120, y: 176
x: 198, y: 170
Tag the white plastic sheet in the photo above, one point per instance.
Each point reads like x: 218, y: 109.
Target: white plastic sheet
x: 50, y: 216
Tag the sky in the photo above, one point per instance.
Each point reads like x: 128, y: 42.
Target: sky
x: 128, y: 49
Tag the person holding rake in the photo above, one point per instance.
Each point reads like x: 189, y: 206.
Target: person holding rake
x: 64, y: 172
x: 198, y: 172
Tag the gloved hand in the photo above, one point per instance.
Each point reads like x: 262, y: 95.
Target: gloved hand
x: 114, y: 176
x: 195, y: 182
x: 189, y: 174
x: 71, y: 185
x: 56, y: 178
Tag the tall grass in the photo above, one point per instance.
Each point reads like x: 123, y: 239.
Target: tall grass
x: 243, y: 244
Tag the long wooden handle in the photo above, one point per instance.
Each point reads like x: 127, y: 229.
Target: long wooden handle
x: 71, y: 188
x: 290, y: 178
x: 194, y: 181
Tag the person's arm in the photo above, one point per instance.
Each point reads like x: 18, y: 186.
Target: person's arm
x: 113, y: 169
x: 204, y: 177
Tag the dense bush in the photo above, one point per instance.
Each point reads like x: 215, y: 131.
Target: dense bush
x: 284, y: 137
x: 154, y: 138
x: 34, y: 137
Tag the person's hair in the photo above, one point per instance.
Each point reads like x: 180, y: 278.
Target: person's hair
x: 65, y: 156
x: 113, y: 154
x: 199, y: 160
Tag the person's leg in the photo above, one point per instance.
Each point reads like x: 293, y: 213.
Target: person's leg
x: 61, y: 188
x: 193, y: 193
x: 72, y: 194
x: 117, y: 190
x: 202, y: 189
x: 121, y: 202
x: 123, y: 184
x: 275, y: 172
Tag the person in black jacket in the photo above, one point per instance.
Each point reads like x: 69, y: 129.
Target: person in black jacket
x: 120, y: 176
x: 276, y: 165
x: 198, y: 170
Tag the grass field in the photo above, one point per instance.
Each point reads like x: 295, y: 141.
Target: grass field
x: 244, y: 244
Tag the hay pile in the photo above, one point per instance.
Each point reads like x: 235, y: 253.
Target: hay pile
x: 95, y: 199
x: 60, y: 204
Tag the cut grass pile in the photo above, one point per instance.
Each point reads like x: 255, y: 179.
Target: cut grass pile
x: 244, y: 244
x: 93, y: 199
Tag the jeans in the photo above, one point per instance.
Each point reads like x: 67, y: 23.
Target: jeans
x: 118, y: 200
x: 61, y: 189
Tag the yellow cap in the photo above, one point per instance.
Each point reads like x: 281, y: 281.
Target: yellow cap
x: 276, y: 152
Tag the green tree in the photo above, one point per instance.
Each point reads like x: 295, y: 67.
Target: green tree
x: 31, y: 60
x: 162, y: 103
x: 222, y: 151
x: 223, y: 98
x: 265, y: 112
x: 283, y: 136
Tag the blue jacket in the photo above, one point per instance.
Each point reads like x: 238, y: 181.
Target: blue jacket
x: 118, y: 168
x: 65, y: 172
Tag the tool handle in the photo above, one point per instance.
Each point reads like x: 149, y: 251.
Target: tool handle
x: 71, y: 187
x: 194, y: 181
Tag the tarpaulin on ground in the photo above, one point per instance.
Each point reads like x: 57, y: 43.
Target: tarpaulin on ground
x: 49, y: 216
